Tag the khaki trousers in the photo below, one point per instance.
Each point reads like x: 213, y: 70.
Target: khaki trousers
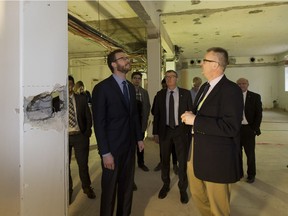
x: 211, y: 199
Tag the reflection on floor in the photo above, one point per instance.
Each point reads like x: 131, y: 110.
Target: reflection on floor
x: 267, y: 196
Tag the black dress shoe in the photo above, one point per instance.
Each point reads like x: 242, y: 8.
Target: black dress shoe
x: 158, y: 167
x: 184, y: 197
x: 250, y: 179
x: 89, y: 192
x: 143, y: 167
x: 163, y: 192
x: 70, y: 196
x: 134, y: 187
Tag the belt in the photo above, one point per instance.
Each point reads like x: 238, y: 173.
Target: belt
x: 73, y: 133
x: 171, y: 127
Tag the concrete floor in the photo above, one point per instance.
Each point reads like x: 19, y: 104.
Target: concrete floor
x: 267, y: 196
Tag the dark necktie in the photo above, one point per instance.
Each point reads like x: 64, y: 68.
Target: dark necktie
x: 171, y: 111
x: 125, y: 92
x: 201, y: 98
x: 72, y: 115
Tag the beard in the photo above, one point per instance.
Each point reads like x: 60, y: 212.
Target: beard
x: 124, y: 68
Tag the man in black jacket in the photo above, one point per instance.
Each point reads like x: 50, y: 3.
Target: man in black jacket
x: 80, y: 123
x: 216, y: 154
x: 168, y: 130
x: 252, y: 117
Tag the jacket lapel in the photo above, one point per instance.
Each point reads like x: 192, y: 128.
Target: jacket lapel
x: 215, y: 90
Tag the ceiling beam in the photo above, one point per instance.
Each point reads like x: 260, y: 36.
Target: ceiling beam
x: 147, y: 12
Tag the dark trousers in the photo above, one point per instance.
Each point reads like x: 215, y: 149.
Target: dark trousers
x: 118, y: 182
x: 140, y: 155
x: 174, y: 156
x: 248, y: 144
x: 180, y: 141
x: 80, y: 143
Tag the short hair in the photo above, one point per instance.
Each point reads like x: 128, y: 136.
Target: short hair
x: 163, y: 81
x: 111, y: 58
x: 222, y: 55
x: 79, y: 83
x: 70, y: 78
x: 136, y: 73
x: 196, y: 79
x: 172, y: 71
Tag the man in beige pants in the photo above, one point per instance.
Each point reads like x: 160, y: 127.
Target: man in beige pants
x: 216, y: 153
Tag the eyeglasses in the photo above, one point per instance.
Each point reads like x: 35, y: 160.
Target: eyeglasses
x: 137, y: 78
x: 207, y: 60
x: 125, y: 58
x: 170, y: 77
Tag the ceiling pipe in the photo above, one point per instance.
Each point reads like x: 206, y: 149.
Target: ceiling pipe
x: 94, y: 32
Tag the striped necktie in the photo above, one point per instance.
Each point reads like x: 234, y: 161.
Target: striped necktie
x: 72, y: 114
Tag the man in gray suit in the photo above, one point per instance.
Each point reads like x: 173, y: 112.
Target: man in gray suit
x: 143, y: 103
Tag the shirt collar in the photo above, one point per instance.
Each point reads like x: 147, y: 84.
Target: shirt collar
x: 215, y: 81
x: 118, y: 79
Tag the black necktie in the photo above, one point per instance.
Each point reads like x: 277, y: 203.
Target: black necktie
x: 125, y: 92
x: 171, y: 111
x: 206, y: 88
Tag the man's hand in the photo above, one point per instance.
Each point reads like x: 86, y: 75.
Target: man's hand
x: 141, y: 146
x: 156, y: 138
x: 108, y: 161
x: 188, y: 118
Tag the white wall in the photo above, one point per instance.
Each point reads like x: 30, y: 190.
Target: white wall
x: 10, y: 99
x: 90, y: 75
x: 33, y: 156
x: 264, y: 80
x: 282, y: 96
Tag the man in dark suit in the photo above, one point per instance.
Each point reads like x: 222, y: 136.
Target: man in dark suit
x: 174, y: 156
x: 117, y: 129
x: 80, y: 123
x: 168, y: 130
x: 252, y: 117
x: 216, y: 153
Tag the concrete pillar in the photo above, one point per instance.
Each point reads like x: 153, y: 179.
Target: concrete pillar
x: 33, y: 156
x: 154, y: 62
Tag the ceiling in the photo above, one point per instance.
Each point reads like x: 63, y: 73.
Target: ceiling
x: 187, y: 28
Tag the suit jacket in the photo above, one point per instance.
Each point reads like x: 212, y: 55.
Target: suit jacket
x: 84, y: 117
x: 116, y: 126
x: 217, y: 152
x: 253, y: 111
x: 145, y: 111
x: 159, y: 111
